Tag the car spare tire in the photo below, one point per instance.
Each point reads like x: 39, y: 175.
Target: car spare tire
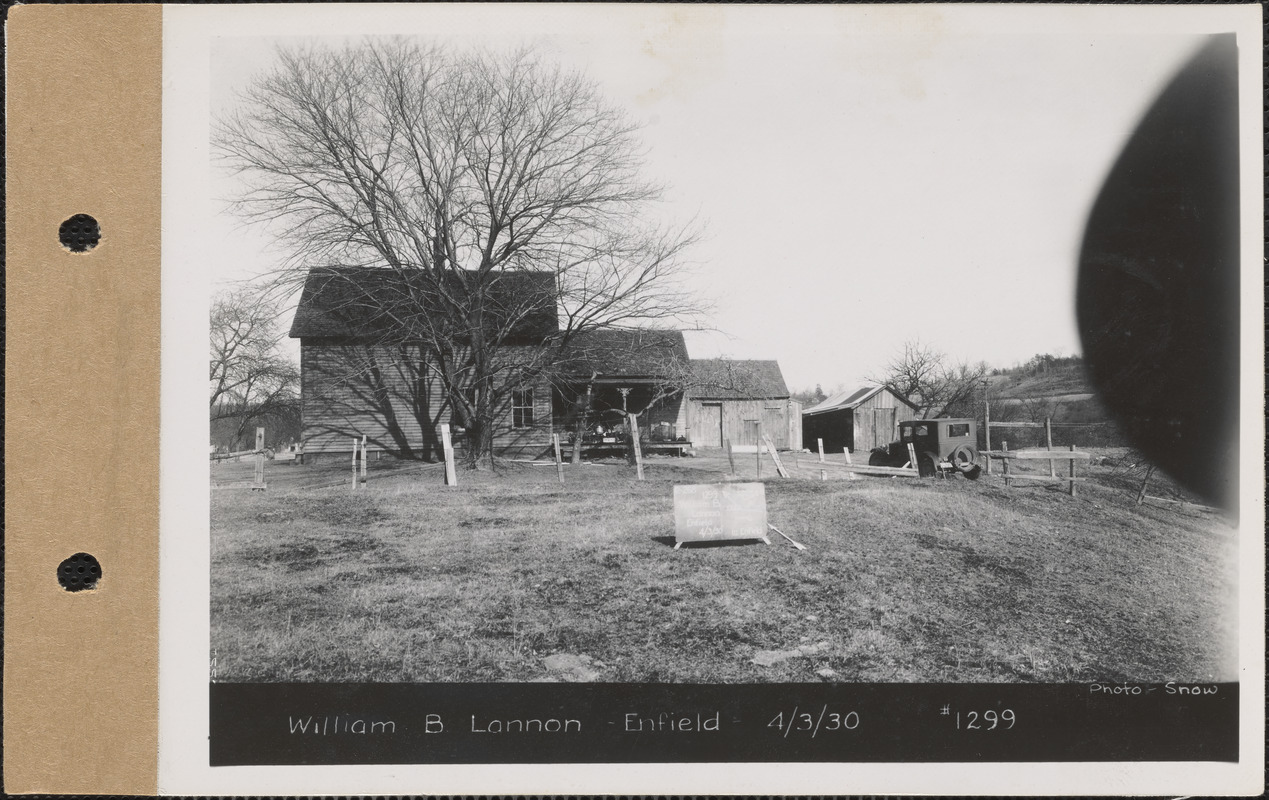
x: 962, y: 456
x: 966, y: 462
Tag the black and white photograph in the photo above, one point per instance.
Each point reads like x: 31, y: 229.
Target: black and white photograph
x: 605, y: 356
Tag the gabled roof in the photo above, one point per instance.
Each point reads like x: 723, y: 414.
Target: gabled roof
x: 376, y: 302
x: 851, y: 399
x: 625, y: 353
x: 726, y: 379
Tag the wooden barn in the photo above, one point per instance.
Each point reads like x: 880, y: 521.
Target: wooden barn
x: 861, y: 420
x: 732, y: 400
x: 361, y: 377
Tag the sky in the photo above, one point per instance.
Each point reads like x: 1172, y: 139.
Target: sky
x: 861, y: 181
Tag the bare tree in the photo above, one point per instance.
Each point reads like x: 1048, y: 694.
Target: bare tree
x: 454, y: 171
x: 926, y: 377
x: 249, y: 376
x: 810, y: 397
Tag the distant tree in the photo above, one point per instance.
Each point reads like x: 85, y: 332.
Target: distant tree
x: 250, y: 378
x: 453, y: 170
x: 931, y: 382
x: 810, y: 397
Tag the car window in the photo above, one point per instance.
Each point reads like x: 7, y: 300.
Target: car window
x: 958, y: 429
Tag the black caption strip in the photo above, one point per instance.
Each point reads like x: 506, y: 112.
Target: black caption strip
x: 450, y: 723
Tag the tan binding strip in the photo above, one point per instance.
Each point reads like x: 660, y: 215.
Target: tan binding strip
x: 82, y: 400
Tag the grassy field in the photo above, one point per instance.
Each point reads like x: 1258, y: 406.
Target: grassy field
x: 512, y: 577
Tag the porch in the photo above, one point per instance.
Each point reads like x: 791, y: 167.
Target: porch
x: 599, y: 410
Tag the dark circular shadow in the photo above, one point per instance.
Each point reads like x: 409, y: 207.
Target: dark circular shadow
x: 1157, y: 294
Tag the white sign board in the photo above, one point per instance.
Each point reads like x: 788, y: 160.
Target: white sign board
x: 712, y: 512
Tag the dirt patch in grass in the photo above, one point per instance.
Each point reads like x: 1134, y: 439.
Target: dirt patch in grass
x: 932, y: 580
x: 972, y: 559
x: 486, y: 522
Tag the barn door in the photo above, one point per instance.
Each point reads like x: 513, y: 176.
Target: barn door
x: 883, y: 432
x: 710, y: 427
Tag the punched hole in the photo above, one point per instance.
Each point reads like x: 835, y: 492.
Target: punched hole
x: 80, y: 571
x: 79, y: 234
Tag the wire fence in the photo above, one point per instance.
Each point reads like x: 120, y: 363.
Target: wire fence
x: 1065, y: 434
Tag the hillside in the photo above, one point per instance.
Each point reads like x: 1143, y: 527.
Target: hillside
x: 1042, y: 377
x: 1057, y: 389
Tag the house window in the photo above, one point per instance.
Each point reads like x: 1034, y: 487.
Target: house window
x: 522, y: 408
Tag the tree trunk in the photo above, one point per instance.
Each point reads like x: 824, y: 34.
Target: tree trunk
x: 479, y: 443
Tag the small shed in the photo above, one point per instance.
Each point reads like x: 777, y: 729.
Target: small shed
x: 861, y: 420
x: 732, y: 400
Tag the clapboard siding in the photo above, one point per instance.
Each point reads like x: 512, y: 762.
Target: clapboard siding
x: 532, y: 441
x: 386, y: 395
x: 378, y: 392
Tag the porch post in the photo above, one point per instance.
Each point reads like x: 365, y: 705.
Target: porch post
x: 579, y: 430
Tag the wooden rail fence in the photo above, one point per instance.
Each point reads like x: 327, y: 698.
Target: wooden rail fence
x: 257, y: 483
x: 847, y: 464
x: 1005, y: 455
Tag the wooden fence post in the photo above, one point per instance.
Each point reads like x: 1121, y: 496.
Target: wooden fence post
x: 451, y: 475
x: 986, y: 426
x: 559, y: 462
x: 757, y: 448
x: 1072, y: 472
x: 1004, y: 448
x: 1048, y: 441
x: 731, y: 458
x: 1141, y: 495
x: 365, y: 459
x: 259, y: 483
x: 633, y: 421
x: 819, y: 443
x: 850, y: 476
x: 355, y: 484
x: 779, y: 465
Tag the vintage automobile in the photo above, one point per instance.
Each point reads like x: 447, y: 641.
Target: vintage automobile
x: 941, y: 445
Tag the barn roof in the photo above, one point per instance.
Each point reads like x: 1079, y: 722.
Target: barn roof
x: 373, y: 302
x: 625, y: 353
x: 851, y: 399
x: 726, y: 379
